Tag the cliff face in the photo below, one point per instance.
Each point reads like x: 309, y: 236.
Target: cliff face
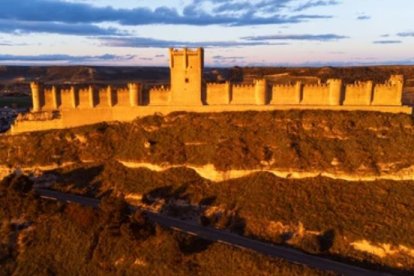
x: 337, y: 143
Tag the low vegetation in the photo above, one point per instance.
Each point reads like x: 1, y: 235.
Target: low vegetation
x: 379, y: 211
x: 261, y: 205
x: 351, y: 142
x: 40, y: 237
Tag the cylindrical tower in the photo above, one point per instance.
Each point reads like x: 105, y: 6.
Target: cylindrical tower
x: 398, y: 81
x: 55, y: 103
x: 36, y: 98
x: 228, y: 92
x: 73, y: 101
x: 133, y: 94
x: 109, y: 96
x: 91, y: 97
x: 298, y: 92
x: 369, y: 92
x: 261, y: 92
x: 335, y: 91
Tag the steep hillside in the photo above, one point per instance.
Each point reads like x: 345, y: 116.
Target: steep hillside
x: 343, y: 144
x: 40, y: 237
x: 332, y: 183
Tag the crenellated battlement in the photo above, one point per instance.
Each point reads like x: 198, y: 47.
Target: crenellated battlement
x: 243, y: 85
x: 386, y: 85
x: 54, y: 98
x: 216, y: 84
x: 283, y: 85
x: 316, y: 85
x: 160, y: 95
x: 76, y: 106
x: 389, y: 93
x: 160, y: 89
x: 332, y: 92
x: 359, y: 84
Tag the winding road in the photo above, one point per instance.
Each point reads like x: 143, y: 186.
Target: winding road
x: 208, y: 233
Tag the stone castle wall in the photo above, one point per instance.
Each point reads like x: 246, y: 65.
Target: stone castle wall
x: 218, y: 93
x: 359, y: 93
x: 160, y: 96
x: 331, y: 93
x: 187, y: 92
x: 290, y: 94
x: 54, y: 99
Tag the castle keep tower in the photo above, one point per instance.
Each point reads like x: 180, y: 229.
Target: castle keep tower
x: 186, y: 68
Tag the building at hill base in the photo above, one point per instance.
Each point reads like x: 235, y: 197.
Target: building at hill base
x: 60, y: 107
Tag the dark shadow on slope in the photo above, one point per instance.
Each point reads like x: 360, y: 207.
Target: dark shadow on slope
x: 191, y: 244
x: 208, y: 201
x: 83, y: 181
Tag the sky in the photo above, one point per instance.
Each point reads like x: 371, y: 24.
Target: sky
x: 233, y: 32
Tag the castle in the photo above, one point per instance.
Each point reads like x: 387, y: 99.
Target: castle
x: 55, y: 108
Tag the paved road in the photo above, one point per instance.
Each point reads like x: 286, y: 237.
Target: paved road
x: 221, y: 236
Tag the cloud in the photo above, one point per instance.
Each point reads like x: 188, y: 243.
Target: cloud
x: 364, y: 17
x: 406, y: 34
x: 145, y: 42
x: 257, y: 12
x: 9, y: 43
x: 226, y: 58
x: 63, y: 58
x: 355, y: 62
x: 318, y: 37
x: 387, y: 42
x: 313, y: 4
x: 81, y: 29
